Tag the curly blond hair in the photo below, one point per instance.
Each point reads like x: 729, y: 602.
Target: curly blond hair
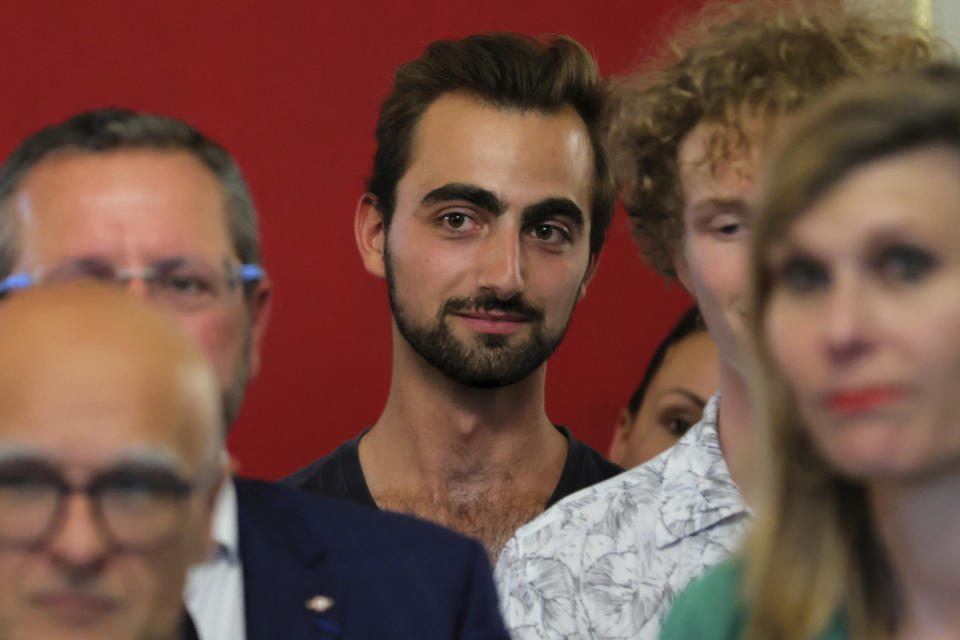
x: 757, y: 57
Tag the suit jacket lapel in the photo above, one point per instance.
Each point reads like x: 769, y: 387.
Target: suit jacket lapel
x: 284, y: 569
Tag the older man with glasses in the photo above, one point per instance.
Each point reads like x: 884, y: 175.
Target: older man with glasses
x: 149, y: 204
x: 178, y: 283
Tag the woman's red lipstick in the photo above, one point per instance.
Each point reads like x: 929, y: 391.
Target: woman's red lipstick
x: 865, y: 399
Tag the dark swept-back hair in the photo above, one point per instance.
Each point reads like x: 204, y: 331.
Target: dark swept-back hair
x: 112, y: 129
x: 689, y: 323
x: 507, y: 70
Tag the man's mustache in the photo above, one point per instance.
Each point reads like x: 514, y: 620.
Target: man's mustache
x: 515, y: 305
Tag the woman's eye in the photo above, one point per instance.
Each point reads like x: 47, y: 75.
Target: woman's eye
x: 904, y: 263
x: 678, y: 418
x: 678, y: 426
x: 803, y: 275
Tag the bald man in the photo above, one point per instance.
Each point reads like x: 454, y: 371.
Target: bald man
x: 110, y: 429
x: 110, y: 462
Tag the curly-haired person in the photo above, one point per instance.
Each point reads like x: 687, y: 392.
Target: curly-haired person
x: 688, y: 136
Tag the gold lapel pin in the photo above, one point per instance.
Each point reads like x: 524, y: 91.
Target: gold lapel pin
x: 319, y: 604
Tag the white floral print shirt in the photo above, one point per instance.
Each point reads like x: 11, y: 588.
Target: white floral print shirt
x: 606, y: 562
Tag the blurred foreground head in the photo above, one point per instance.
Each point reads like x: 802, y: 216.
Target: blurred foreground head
x: 856, y: 323
x: 110, y: 438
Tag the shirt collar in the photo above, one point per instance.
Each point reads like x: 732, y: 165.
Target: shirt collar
x: 697, y: 490
x: 224, y: 529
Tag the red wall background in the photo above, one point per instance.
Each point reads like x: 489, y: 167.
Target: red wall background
x: 292, y: 89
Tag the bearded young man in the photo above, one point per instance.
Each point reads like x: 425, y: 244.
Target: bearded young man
x: 149, y: 205
x: 689, y: 141
x: 486, y: 212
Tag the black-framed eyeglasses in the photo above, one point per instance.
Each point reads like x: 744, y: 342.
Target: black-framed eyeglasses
x: 136, y: 507
x: 181, y: 283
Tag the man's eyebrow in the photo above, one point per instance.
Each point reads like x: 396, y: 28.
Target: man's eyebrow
x: 689, y: 395
x: 18, y: 452
x: 180, y: 261
x: 722, y: 205
x: 483, y: 198
x: 146, y: 455
x: 93, y: 262
x: 563, y: 207
x: 137, y: 455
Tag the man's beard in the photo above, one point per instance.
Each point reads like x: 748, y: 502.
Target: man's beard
x: 491, y: 361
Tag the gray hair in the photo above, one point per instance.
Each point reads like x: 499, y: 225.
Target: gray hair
x: 111, y: 129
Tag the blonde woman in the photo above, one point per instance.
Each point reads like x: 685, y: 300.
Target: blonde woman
x: 856, y: 324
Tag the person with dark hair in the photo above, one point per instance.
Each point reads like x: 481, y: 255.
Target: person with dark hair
x: 485, y: 213
x: 681, y: 376
x: 149, y: 204
x: 855, y: 319
x: 689, y: 137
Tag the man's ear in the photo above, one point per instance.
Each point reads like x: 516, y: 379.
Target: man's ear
x: 682, y: 270
x: 259, y: 304
x: 618, y: 445
x: 370, y: 234
x: 588, y: 275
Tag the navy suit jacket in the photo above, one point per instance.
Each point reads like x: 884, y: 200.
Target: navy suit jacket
x: 383, y: 575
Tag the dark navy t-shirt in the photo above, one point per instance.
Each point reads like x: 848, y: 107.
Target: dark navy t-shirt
x: 339, y: 474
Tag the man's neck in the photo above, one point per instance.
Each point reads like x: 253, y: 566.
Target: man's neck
x: 735, y: 425
x: 450, y: 453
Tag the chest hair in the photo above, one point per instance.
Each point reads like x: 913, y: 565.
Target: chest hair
x: 491, y: 516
